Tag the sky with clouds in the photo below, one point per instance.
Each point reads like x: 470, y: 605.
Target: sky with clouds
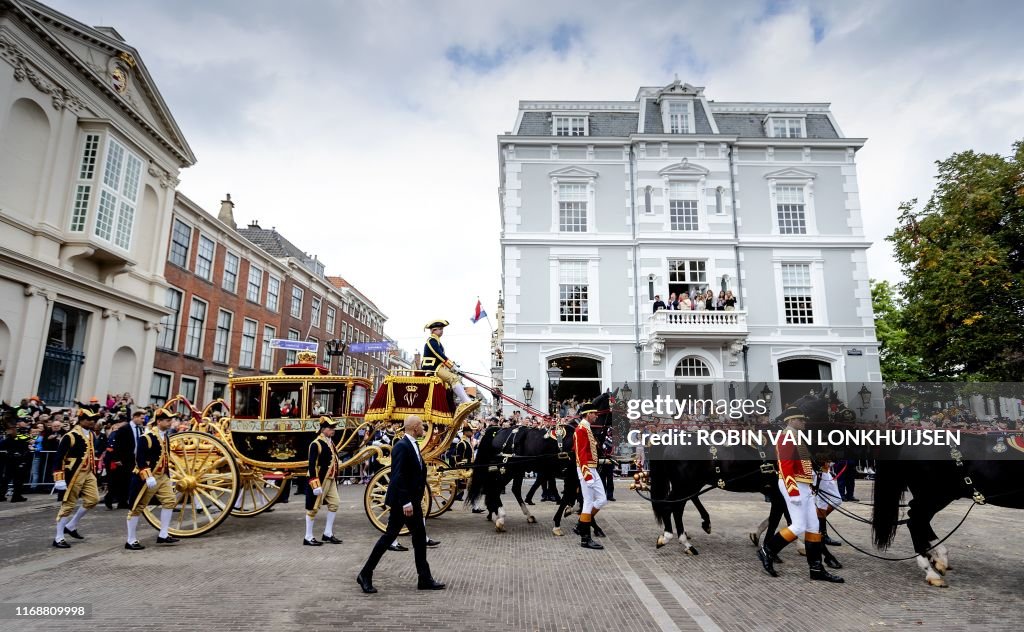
x: 365, y: 131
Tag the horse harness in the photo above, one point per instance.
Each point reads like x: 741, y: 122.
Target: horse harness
x: 958, y: 458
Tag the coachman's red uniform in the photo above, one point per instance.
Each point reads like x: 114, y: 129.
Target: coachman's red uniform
x: 591, y: 488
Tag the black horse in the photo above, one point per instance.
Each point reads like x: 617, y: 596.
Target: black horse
x: 982, y: 467
x: 506, y: 454
x: 679, y: 473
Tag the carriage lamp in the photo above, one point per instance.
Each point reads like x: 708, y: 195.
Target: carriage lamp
x: 554, y: 377
x: 865, y: 399
x: 528, y: 393
x: 766, y: 394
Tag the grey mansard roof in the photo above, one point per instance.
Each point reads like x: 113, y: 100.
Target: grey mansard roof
x: 601, y: 123
x: 750, y: 125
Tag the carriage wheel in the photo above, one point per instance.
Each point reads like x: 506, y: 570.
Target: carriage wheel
x: 206, y: 481
x: 444, y: 485
x: 373, y: 500
x: 256, y: 494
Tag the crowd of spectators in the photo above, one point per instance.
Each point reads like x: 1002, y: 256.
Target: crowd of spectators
x: 698, y: 300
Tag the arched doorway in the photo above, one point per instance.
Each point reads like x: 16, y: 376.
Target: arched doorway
x: 799, y: 376
x: 581, y: 378
x: 692, y: 379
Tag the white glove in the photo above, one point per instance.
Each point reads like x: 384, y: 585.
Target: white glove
x: 318, y: 491
x: 151, y: 482
x: 60, y: 486
x: 796, y: 500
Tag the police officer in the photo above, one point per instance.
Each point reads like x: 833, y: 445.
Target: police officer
x: 322, y: 487
x: 796, y: 475
x: 436, y: 362
x: 151, y: 479
x: 19, y: 457
x: 586, y: 448
x: 75, y: 477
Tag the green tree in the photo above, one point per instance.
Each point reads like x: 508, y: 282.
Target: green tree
x: 898, y: 360
x: 963, y: 259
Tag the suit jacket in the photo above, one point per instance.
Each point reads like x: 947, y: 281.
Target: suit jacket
x: 123, y: 445
x: 408, y: 476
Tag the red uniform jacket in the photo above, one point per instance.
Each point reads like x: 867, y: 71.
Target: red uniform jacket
x: 794, y: 465
x: 585, y: 447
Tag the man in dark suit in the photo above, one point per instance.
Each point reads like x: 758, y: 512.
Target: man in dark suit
x: 404, y: 497
x: 121, y: 459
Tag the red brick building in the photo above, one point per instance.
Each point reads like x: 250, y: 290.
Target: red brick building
x: 231, y: 291
x: 361, y: 321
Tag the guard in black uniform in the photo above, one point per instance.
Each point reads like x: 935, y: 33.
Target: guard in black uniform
x: 437, y: 363
x: 19, y: 458
x: 323, y: 486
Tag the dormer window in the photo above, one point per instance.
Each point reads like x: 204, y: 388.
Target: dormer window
x: 786, y: 126
x: 678, y: 116
x: 569, y: 125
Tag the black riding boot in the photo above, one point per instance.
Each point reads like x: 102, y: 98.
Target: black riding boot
x: 585, y: 540
x: 598, y: 531
x: 818, y: 572
x: 767, y: 553
x: 825, y: 538
x: 830, y: 560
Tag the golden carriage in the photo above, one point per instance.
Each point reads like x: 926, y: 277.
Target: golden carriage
x: 239, y: 461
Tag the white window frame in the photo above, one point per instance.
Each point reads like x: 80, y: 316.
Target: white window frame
x: 316, y: 311
x: 222, y: 337
x: 818, y: 303
x: 701, y: 365
x: 332, y: 317
x: 124, y: 193
x: 266, y: 353
x: 591, y: 257
x: 696, y: 199
x: 170, y: 380
x: 233, y: 286
x: 300, y: 298
x: 685, y: 173
x: 247, y: 352
x: 666, y: 117
x: 798, y: 178
x: 181, y: 387
x: 205, y: 273
x: 202, y: 329
x: 85, y: 183
x: 171, y: 323
x: 291, y: 357
x: 708, y: 272
x: 771, y: 119
x: 188, y: 247
x: 573, y: 175
x: 248, y: 284
x: 272, y: 280
x: 556, y: 116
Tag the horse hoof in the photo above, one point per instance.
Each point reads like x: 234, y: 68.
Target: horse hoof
x: 558, y: 531
x: 938, y: 582
x: 691, y: 551
x: 706, y: 526
x: 661, y: 542
x: 754, y: 538
x: 499, y: 525
x: 531, y: 520
x: 940, y: 568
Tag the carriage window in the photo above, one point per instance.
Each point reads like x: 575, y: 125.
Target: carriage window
x: 328, y: 399
x: 284, y: 400
x: 247, y: 400
x: 358, y: 399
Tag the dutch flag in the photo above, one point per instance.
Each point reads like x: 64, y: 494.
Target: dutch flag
x: 478, y: 313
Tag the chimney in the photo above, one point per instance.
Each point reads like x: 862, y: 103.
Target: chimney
x: 227, y: 212
x: 254, y: 224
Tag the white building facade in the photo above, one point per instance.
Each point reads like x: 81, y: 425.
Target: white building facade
x: 606, y: 204
x: 89, y: 158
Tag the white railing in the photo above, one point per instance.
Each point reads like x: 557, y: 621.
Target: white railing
x: 697, y: 321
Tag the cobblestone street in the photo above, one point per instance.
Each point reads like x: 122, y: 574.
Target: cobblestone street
x: 254, y: 574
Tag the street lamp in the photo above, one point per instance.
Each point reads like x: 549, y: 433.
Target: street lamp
x: 865, y: 399
x: 627, y: 393
x: 528, y: 393
x: 554, y: 377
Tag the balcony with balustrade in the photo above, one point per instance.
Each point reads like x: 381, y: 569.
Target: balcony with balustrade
x: 697, y: 326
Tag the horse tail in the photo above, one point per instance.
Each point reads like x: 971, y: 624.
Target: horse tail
x: 890, y: 482
x: 660, y: 469
x: 481, y: 475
